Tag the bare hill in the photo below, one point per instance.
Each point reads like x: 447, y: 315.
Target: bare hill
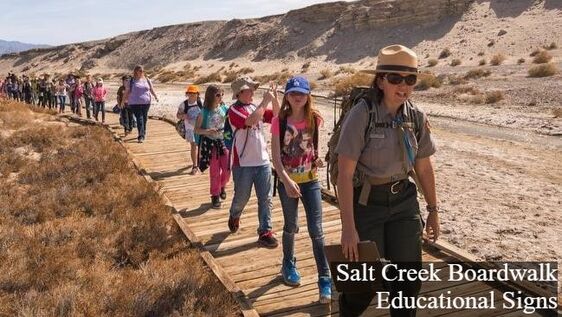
x: 339, y: 32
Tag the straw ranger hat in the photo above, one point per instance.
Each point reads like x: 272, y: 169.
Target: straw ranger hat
x: 397, y: 59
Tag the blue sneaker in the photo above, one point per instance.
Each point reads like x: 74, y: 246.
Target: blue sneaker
x: 325, y: 289
x: 290, y: 273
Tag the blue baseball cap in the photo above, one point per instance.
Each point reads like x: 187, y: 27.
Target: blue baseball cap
x: 298, y: 84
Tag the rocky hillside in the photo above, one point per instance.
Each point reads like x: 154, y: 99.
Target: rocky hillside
x: 340, y: 32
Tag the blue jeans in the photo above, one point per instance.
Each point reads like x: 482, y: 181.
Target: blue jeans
x: 312, y: 202
x: 260, y: 177
x: 87, y: 103
x: 99, y: 106
x: 62, y: 101
x: 141, y: 113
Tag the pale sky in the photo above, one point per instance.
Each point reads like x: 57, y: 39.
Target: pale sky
x: 56, y: 22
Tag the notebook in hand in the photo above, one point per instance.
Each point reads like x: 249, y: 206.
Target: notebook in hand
x: 344, y: 276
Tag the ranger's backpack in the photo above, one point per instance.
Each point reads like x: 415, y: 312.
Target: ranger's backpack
x: 369, y: 95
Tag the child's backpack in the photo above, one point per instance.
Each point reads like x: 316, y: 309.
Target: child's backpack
x: 368, y: 94
x: 180, y: 127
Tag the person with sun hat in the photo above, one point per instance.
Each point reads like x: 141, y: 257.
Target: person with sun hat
x: 385, y: 140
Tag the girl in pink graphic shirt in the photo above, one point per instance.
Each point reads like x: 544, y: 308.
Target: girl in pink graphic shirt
x: 99, y: 92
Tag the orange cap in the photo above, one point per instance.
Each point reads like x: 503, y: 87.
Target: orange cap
x: 192, y: 89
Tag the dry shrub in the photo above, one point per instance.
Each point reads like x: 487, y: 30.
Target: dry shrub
x: 168, y: 76
x: 557, y: 113
x: 313, y: 85
x: 210, y: 78
x: 346, y: 70
x: 432, y: 62
x: 456, y: 62
x: 535, y: 52
x: 542, y: 57
x: 482, y: 62
x: 494, y: 96
x: 325, y: 74
x: 229, y: 76
x: 552, y: 46
x: 445, y: 53
x: 343, y: 86
x: 427, y: 80
x: 456, y: 80
x: 480, y: 53
x: 305, y: 67
x: 520, y: 61
x: 477, y: 73
x: 81, y: 233
x: 542, y: 70
x: 279, y: 78
x: 469, y: 95
x: 497, y: 59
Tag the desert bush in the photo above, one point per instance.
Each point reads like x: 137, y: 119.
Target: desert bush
x: 552, y: 46
x: 168, y: 76
x: 456, y: 80
x: 210, y: 78
x: 456, y: 62
x: 82, y: 216
x: 432, y: 62
x: 535, y: 52
x: 557, y: 113
x: 480, y: 53
x: 325, y: 74
x: 477, y: 73
x: 278, y: 77
x: 343, y: 86
x: 497, y: 59
x: 520, y: 61
x: 427, y: 80
x: 246, y: 70
x: 469, y: 94
x: 229, y: 76
x: 494, y: 96
x: 542, y: 70
x: 445, y: 53
x: 305, y: 67
x: 346, y: 70
x: 482, y: 62
x: 313, y: 85
x: 542, y: 57
x: 232, y: 65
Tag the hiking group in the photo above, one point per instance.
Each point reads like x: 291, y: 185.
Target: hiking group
x: 381, y: 141
x: 53, y: 93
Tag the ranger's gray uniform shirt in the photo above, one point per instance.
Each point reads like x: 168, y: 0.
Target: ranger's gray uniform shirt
x: 381, y: 155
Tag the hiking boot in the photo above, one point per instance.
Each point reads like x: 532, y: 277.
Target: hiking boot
x: 325, y: 289
x: 216, y: 202
x: 233, y: 224
x: 290, y: 273
x: 140, y: 140
x: 267, y: 240
x: 223, y: 194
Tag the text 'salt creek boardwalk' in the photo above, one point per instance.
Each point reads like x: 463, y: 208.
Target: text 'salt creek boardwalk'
x: 252, y: 271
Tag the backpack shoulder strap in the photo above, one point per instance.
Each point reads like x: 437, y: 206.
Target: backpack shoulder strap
x: 205, y: 115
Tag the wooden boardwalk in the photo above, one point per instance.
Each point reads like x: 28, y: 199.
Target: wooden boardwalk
x: 249, y: 272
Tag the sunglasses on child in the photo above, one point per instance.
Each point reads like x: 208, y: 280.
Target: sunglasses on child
x: 219, y: 95
x: 397, y: 79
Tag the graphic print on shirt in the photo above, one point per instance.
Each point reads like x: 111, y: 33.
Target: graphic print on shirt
x: 297, y: 154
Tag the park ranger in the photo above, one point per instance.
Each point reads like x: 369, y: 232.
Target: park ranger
x: 384, y: 141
